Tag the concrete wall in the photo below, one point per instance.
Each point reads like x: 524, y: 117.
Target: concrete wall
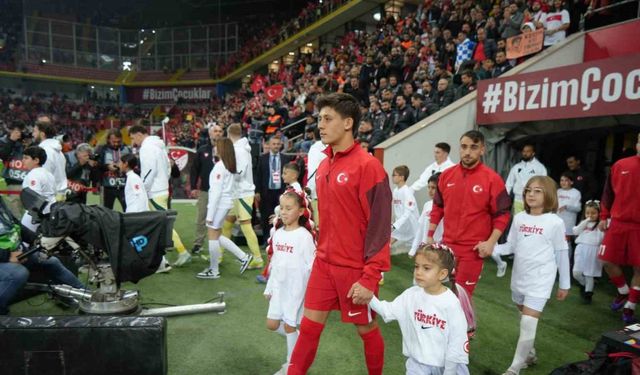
x: 414, y: 147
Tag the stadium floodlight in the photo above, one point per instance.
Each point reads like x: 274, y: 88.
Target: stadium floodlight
x: 126, y: 65
x: 141, y: 41
x: 292, y: 53
x: 153, y: 31
x: 44, y: 61
x: 309, y: 44
x: 92, y: 87
x: 110, y: 88
x: 377, y: 16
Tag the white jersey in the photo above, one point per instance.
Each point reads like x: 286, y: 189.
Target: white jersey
x: 552, y: 21
x: 293, y: 255
x: 314, y: 157
x: 155, y: 168
x: 434, y: 328
x: 534, y: 241
x: 42, y: 182
x: 432, y: 169
x: 221, y: 186
x: 588, y: 233
x: 135, y: 195
x: 244, y: 166
x: 570, y: 200
x: 405, y: 211
x: 423, y: 228
x: 56, y: 163
x: 520, y: 174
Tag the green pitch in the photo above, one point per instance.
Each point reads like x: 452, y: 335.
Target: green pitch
x: 237, y: 342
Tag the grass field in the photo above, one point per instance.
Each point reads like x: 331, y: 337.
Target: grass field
x: 237, y: 342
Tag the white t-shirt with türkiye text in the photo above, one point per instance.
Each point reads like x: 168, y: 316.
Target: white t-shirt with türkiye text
x: 135, y: 194
x: 434, y: 328
x: 534, y: 241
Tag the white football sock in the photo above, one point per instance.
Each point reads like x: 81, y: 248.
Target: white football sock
x: 233, y: 248
x: 280, y: 330
x: 624, y: 289
x: 579, y: 277
x: 528, y: 327
x: 588, y: 283
x: 214, y: 254
x: 496, y: 257
x: 291, y: 343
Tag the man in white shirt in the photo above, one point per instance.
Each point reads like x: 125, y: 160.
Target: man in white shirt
x: 441, y: 155
x: 56, y: 164
x: 155, y: 170
x: 314, y: 157
x: 555, y: 24
x: 244, y: 192
x: 520, y: 173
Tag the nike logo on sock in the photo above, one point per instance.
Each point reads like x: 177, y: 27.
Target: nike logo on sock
x: 351, y: 315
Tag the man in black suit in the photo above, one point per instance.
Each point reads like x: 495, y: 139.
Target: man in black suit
x: 269, y: 184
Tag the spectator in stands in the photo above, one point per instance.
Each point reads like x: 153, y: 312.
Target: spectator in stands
x: 556, y: 24
x: 420, y: 110
x: 11, y: 148
x: 366, y: 133
x: 502, y: 65
x: 468, y: 84
x: 274, y: 121
x: 485, y: 48
x: 486, y: 70
x: 44, y: 133
x: 444, y: 95
x: 199, y: 175
x: 537, y: 14
x: 353, y: 87
x: 113, y: 180
x: 82, y: 173
x: 404, y: 115
x: 464, y: 49
x: 511, y: 21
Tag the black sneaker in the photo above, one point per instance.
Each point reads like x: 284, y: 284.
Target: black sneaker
x: 587, y: 298
x: 196, y: 250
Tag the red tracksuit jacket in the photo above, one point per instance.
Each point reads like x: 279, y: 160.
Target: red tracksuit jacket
x: 354, y: 203
x: 473, y: 202
x: 620, y: 200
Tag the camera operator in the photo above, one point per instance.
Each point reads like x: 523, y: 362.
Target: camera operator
x: 82, y: 170
x: 11, y: 148
x: 113, y: 180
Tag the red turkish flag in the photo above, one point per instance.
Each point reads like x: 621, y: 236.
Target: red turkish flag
x: 258, y: 83
x: 274, y: 92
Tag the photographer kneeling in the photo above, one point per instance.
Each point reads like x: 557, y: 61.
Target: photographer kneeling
x: 82, y: 172
x: 11, y: 148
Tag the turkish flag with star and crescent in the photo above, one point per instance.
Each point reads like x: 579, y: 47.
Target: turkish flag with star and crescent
x: 274, y: 92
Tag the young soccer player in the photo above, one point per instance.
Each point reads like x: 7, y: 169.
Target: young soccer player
x: 220, y: 202
x: 423, y: 222
x: 586, y: 264
x: 431, y: 318
x: 405, y: 208
x: 37, y: 179
x: 537, y: 240
x: 294, y: 247
x: 569, y: 204
x: 135, y: 195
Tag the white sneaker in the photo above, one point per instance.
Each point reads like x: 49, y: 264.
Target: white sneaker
x: 208, y: 273
x: 183, y: 258
x: 245, y: 263
x: 164, y: 266
x: 502, y: 269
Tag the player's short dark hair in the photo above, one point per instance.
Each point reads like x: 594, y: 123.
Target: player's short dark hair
x: 130, y: 160
x: 434, y: 178
x: 35, y: 152
x: 115, y: 132
x: 346, y: 105
x: 402, y: 170
x: 474, y: 135
x: 569, y: 175
x: 444, y: 146
x: 529, y: 145
x: 16, y: 125
x: 47, y: 128
x: 138, y: 129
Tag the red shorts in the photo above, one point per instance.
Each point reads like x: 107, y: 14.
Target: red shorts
x: 468, y: 268
x: 328, y: 288
x: 621, y: 245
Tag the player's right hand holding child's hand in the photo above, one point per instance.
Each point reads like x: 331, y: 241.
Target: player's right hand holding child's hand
x: 562, y: 294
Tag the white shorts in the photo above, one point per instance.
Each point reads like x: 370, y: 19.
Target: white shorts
x: 218, y: 218
x: 534, y: 303
x: 416, y: 368
x: 284, y: 308
x: 586, y: 260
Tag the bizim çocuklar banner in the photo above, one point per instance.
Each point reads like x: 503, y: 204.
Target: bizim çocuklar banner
x: 142, y: 95
x: 597, y: 88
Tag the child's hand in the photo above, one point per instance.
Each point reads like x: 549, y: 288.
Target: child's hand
x: 562, y: 294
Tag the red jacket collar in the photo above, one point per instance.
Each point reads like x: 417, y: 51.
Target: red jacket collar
x: 329, y: 150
